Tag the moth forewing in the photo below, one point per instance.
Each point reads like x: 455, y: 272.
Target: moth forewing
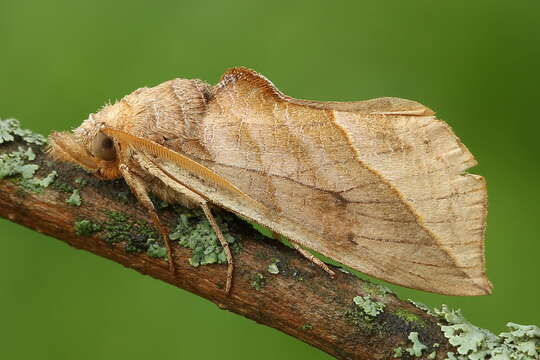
x: 377, y: 185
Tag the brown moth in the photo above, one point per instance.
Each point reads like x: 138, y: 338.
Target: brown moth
x: 378, y: 185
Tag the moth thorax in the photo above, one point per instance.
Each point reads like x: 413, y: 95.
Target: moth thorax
x: 192, y: 97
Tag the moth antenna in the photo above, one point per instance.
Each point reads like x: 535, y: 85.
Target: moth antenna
x: 183, y: 161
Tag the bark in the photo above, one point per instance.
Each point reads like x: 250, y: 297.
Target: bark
x: 301, y: 300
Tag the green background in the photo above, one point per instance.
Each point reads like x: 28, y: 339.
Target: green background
x: 475, y: 62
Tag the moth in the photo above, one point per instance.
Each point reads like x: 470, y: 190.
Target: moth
x: 378, y: 185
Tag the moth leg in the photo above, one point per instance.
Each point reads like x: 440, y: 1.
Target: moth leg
x: 224, y: 244
x: 173, y: 183
x: 138, y: 188
x: 312, y: 258
x: 306, y: 254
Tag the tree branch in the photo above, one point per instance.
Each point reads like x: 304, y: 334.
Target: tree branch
x: 300, y: 300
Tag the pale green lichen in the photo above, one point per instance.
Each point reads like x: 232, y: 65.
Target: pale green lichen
x: 474, y: 343
x: 14, y: 163
x: 432, y: 355
x: 258, y: 281
x: 417, y: 347
x: 398, y: 352
x: 273, y: 267
x: 36, y: 184
x: 466, y: 337
x: 9, y: 128
x: 48, y: 180
x: 75, y: 198
x: 81, y: 182
x: 155, y: 249
x: 195, y: 232
x: 368, y: 306
x: 421, y: 306
x: 86, y: 227
x: 307, y: 327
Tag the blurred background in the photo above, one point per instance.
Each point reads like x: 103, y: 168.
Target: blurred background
x: 475, y: 62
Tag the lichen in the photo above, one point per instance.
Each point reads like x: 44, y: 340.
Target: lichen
x: 432, y: 355
x: 273, y: 267
x: 15, y: 163
x: 474, y: 343
x: 421, y: 306
x: 9, y: 128
x: 398, y: 352
x: 258, y: 281
x: 47, y: 180
x: 36, y: 184
x: 417, y: 347
x: 75, y: 198
x: 155, y: 249
x: 86, y: 227
x: 368, y: 306
x: 466, y: 337
x: 522, y: 342
x: 363, y: 312
x: 408, y: 316
x: 307, y: 327
x: 195, y: 232
x: 81, y: 182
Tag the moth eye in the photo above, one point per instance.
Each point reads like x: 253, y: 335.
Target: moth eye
x: 107, y: 143
x: 103, y: 147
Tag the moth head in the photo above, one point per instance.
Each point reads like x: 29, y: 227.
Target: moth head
x: 88, y: 147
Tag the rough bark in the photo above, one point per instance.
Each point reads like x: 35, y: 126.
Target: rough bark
x: 301, y: 300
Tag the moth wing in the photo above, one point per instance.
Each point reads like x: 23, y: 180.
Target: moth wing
x: 377, y: 185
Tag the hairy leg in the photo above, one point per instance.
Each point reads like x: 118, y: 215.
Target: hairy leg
x: 306, y: 254
x: 138, y: 188
x: 170, y: 181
